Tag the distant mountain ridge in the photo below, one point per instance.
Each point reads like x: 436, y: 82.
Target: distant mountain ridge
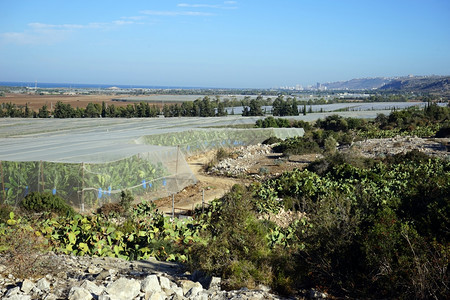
x: 429, y: 84
x: 358, y: 84
x: 424, y: 84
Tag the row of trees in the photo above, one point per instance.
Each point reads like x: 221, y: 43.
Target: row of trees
x: 204, y: 107
x: 92, y: 110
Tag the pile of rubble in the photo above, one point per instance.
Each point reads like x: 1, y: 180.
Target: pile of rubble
x: 80, y: 278
x: 241, y: 160
x: 399, y: 144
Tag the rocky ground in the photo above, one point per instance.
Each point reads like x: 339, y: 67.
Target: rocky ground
x: 78, y: 278
x: 84, y: 278
x: 400, y: 144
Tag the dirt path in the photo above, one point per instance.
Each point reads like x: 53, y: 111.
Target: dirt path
x: 212, y: 186
x: 215, y: 186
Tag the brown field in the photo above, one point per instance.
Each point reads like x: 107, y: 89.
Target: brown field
x: 37, y: 101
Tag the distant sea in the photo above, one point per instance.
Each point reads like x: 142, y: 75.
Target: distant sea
x: 46, y: 85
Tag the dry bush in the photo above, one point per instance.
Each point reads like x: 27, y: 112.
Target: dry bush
x: 22, y: 252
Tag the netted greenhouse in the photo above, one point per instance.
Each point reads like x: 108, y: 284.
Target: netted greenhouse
x: 199, y: 140
x: 149, y: 175
x: 90, y: 162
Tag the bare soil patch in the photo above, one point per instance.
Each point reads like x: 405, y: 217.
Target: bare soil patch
x: 211, y: 186
x: 37, y: 101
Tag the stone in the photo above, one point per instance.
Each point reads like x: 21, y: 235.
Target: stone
x: 178, y: 291
x: 215, y: 283
x: 156, y: 296
x: 194, y: 291
x: 165, y: 283
x: 202, y: 296
x: 103, y: 275
x: 186, y: 285
x: 43, y: 284
x: 79, y: 293
x: 13, y: 291
x: 150, y: 284
x: 124, y: 288
x: 263, y: 288
x: 93, y: 269
x: 92, y: 287
x: 27, y: 286
x: 51, y: 297
x: 315, y: 294
x: 18, y: 297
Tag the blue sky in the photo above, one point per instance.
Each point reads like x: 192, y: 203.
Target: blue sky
x: 242, y: 44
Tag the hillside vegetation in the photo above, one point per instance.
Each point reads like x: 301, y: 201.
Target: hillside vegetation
x: 358, y: 227
x: 433, y: 85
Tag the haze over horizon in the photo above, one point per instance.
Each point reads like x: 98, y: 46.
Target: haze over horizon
x: 229, y: 44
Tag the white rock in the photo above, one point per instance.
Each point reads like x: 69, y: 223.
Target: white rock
x: 27, y: 286
x: 156, y: 296
x: 92, y: 287
x: 178, y: 291
x: 93, y: 269
x: 215, y: 283
x: 186, y: 285
x: 43, y: 284
x: 194, y: 291
x: 13, y: 291
x: 18, y: 297
x: 165, y: 283
x: 51, y: 297
x: 150, y: 284
x: 124, y: 288
x: 79, y: 293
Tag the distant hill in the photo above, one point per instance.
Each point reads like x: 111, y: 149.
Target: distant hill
x: 429, y: 84
x: 439, y: 85
x: 358, y: 84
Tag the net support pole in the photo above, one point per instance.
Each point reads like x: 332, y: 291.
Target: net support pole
x: 3, y: 182
x: 203, y: 201
x: 173, y: 207
x: 176, y: 167
x: 82, y: 187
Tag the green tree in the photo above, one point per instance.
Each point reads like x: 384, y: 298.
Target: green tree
x: 93, y: 110
x: 277, y: 106
x: 63, y: 110
x: 43, y: 112
x: 104, y: 110
x: 221, y: 109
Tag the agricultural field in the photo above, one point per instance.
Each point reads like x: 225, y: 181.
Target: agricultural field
x: 37, y: 101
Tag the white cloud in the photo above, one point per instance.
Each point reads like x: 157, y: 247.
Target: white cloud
x: 225, y: 5
x: 134, y: 18
x: 175, y: 13
x: 49, y: 34
x: 33, y: 37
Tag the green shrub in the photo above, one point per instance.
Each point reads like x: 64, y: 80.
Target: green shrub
x: 4, y: 212
x: 46, y: 202
x: 111, y: 209
x: 297, y: 145
x: 272, y: 140
x: 330, y: 145
x: 444, y: 132
x: 126, y: 199
x: 220, y: 155
x: 237, y: 246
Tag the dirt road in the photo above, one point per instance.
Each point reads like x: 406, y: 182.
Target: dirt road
x: 211, y: 187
